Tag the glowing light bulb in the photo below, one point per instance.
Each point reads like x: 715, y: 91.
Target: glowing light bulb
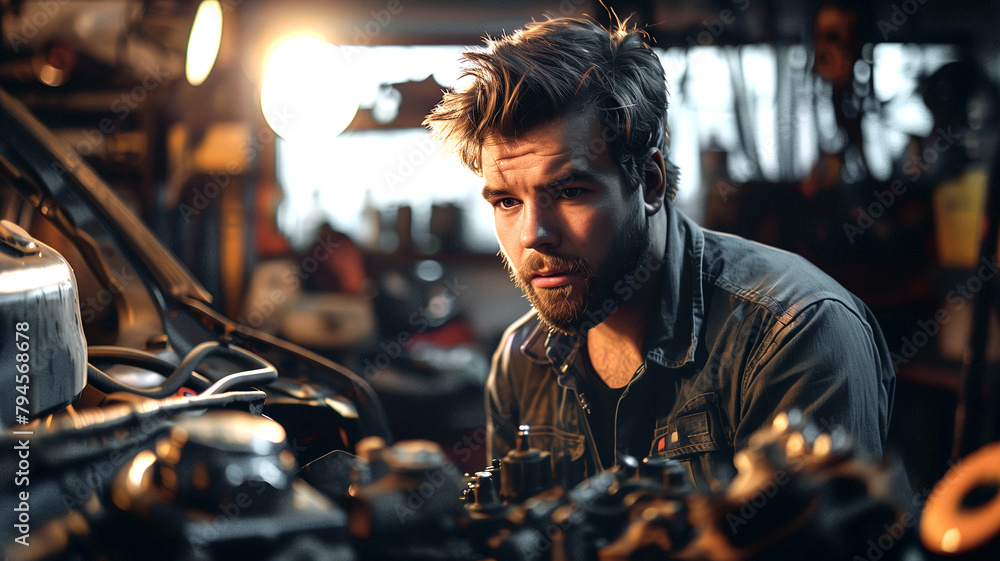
x: 309, y: 91
x: 203, y: 43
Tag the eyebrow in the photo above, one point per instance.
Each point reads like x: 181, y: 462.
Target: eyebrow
x: 571, y: 177
x: 490, y: 192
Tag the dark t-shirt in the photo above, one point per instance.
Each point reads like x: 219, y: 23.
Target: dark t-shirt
x: 603, y: 405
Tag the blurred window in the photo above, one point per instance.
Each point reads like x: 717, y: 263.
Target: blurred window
x: 762, y: 104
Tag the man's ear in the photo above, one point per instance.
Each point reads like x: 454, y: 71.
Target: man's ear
x: 654, y: 181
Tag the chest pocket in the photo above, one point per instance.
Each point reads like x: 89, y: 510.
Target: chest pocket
x: 697, y: 437
x: 696, y: 428
x: 558, y: 442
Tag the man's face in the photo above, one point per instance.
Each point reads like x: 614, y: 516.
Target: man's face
x: 569, y: 228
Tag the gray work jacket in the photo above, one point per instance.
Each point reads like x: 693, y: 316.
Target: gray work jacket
x: 745, y: 331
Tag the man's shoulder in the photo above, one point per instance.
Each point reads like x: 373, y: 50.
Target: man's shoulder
x: 780, y: 280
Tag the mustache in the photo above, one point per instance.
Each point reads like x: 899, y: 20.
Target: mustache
x: 537, y: 261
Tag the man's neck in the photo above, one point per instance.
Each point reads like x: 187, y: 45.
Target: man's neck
x: 615, y: 346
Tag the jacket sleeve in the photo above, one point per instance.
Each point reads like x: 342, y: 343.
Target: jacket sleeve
x: 501, y: 403
x: 833, y: 365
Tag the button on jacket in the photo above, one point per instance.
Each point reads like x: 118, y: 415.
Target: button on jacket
x: 745, y: 331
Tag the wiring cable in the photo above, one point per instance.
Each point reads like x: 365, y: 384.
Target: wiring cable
x: 179, y: 375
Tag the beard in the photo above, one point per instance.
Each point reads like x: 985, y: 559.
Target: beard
x: 569, y: 310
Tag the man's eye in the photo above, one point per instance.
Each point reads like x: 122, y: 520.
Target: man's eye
x: 570, y: 192
x: 507, y: 202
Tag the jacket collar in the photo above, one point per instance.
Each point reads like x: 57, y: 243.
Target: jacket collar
x: 673, y: 336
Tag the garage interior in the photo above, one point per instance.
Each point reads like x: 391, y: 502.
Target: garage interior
x: 282, y: 165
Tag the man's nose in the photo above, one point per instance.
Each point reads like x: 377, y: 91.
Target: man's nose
x: 539, y: 227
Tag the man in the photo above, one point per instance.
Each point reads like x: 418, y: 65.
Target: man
x: 648, y: 334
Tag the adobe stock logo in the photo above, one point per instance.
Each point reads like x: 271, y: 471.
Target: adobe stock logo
x: 900, y: 16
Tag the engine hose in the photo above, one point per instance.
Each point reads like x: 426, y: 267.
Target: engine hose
x: 176, y: 376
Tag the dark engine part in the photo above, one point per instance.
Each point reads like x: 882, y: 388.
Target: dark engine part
x: 799, y: 494
x: 405, y: 503
x: 532, y: 519
x: 215, y: 486
x: 221, y: 486
x: 802, y: 494
x: 526, y: 471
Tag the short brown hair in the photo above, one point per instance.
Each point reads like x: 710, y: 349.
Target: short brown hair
x: 548, y: 69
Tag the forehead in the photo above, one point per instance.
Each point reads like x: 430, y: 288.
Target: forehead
x: 570, y: 142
